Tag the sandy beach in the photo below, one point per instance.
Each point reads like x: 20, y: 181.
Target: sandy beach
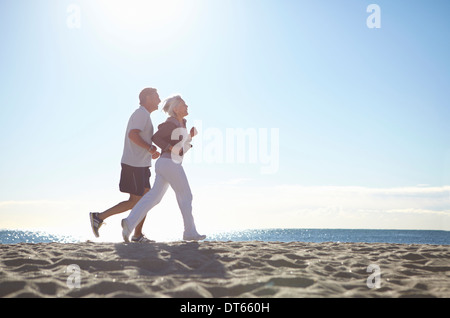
x: 224, y: 269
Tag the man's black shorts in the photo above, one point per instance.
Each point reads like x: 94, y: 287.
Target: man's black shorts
x: 134, y: 180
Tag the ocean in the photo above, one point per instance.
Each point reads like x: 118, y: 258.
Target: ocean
x: 280, y: 235
x: 339, y: 235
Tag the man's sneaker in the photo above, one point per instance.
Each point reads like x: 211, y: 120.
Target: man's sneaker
x: 125, y: 231
x: 96, y: 222
x: 141, y: 239
x: 195, y: 237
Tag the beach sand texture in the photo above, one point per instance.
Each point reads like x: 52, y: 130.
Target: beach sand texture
x: 224, y: 269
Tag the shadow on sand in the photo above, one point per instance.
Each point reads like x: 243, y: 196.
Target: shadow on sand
x: 183, y: 258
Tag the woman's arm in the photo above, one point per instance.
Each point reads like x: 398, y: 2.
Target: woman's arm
x: 162, y: 138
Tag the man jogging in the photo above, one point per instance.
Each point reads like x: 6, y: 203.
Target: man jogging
x: 136, y: 162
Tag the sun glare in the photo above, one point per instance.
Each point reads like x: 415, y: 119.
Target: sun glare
x: 145, y: 15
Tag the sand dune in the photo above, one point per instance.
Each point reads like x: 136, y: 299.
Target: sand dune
x: 224, y: 269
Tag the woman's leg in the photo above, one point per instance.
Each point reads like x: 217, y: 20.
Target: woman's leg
x: 174, y: 174
x: 148, y: 201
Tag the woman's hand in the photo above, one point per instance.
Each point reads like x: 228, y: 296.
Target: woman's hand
x: 193, y: 132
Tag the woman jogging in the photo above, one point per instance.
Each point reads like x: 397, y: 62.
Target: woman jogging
x: 174, y: 141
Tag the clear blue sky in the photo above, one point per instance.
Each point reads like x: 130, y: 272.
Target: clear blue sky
x: 354, y: 107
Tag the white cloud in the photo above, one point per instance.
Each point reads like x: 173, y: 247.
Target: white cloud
x: 325, y: 207
x: 35, y: 213
x: 237, y: 205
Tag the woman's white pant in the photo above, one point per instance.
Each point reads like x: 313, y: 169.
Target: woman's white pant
x: 167, y: 173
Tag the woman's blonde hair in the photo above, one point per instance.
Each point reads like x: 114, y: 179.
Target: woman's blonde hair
x: 170, y: 104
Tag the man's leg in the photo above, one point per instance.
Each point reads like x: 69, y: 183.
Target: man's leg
x: 132, y: 180
x: 121, y: 207
x: 138, y: 229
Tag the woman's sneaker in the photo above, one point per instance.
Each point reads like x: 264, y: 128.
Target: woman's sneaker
x: 96, y: 222
x: 195, y: 237
x: 125, y: 231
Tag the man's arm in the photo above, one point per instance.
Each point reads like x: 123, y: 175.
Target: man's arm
x: 135, y: 137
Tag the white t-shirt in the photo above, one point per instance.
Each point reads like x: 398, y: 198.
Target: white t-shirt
x: 133, y: 155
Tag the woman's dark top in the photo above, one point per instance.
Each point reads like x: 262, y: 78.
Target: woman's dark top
x: 163, y: 137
